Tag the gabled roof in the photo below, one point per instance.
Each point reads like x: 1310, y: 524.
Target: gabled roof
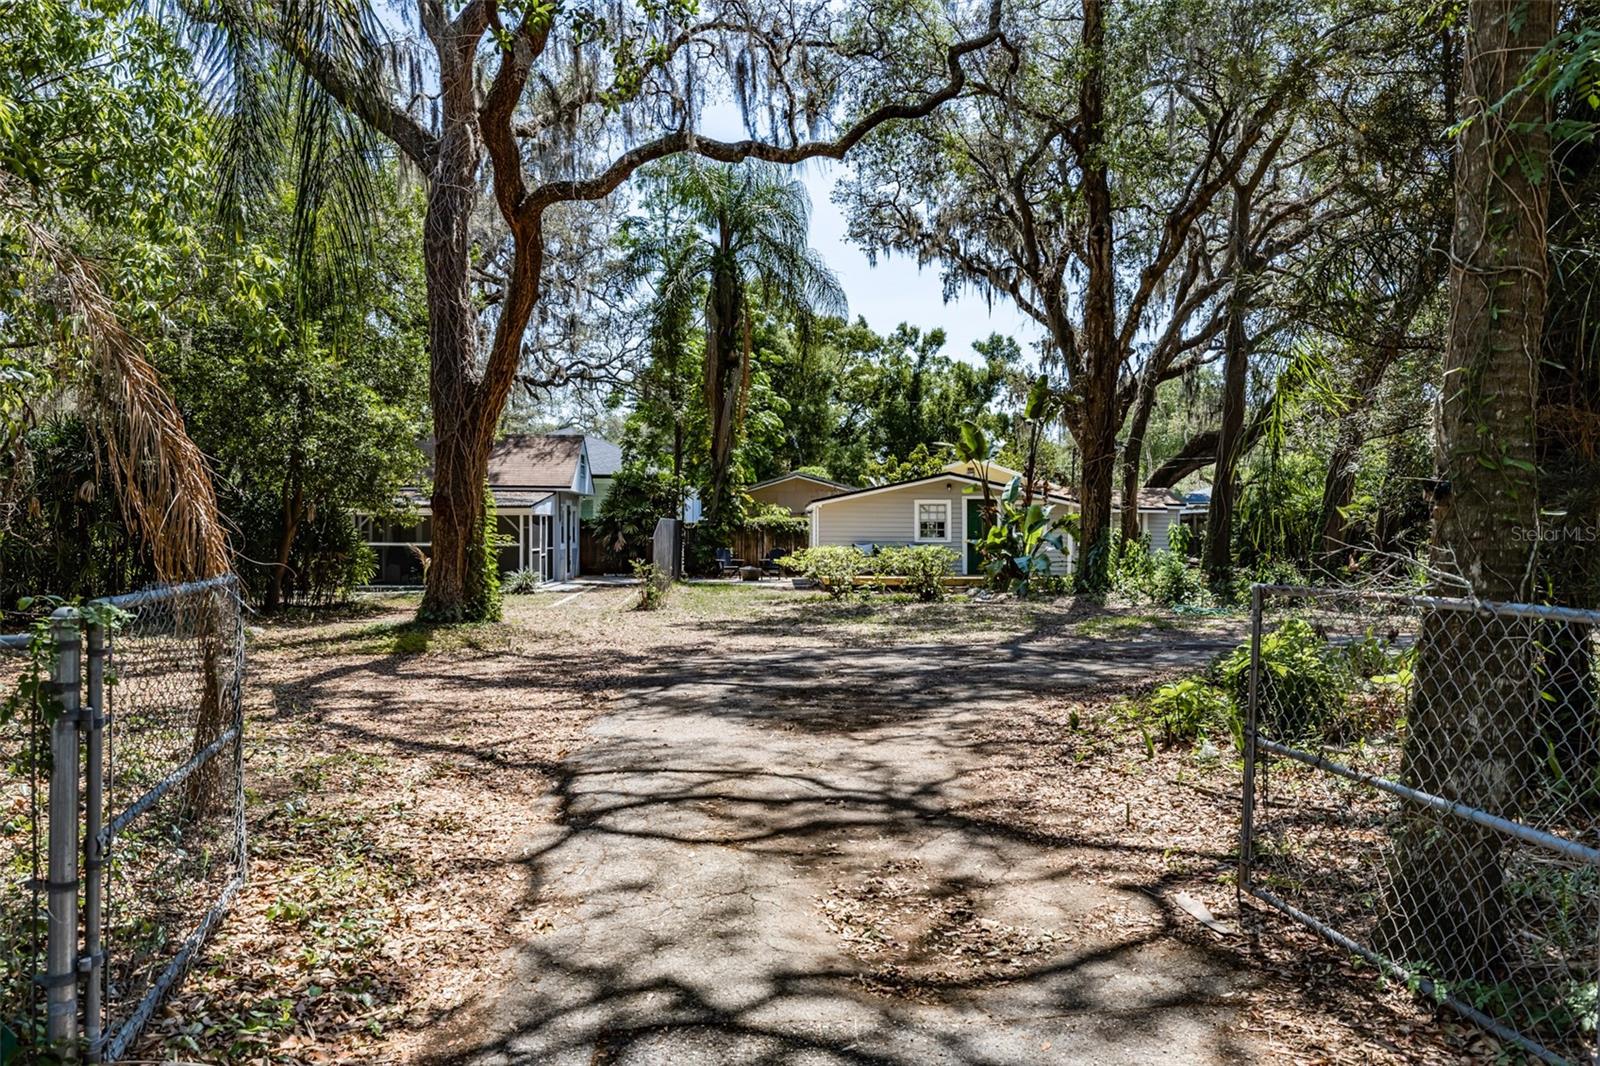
x: 1149, y: 499
x: 547, y: 461
x: 536, y: 461
x: 605, y: 458
x: 801, y: 476
x: 967, y: 478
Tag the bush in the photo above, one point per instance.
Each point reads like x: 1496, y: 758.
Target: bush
x: 834, y: 566
x: 653, y: 585
x: 1302, y: 685
x: 924, y: 567
x: 1131, y: 566
x: 1174, y: 583
x: 521, y: 581
x: 1163, y: 577
x: 1265, y: 572
x: 1191, y: 708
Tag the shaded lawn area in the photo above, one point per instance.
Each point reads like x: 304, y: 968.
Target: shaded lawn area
x: 397, y: 773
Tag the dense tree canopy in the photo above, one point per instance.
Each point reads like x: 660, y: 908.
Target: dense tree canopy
x: 1229, y: 219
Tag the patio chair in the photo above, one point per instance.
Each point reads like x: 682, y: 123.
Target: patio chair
x: 726, y: 563
x: 770, y: 563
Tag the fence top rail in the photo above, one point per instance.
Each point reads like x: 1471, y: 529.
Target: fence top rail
x: 157, y: 593
x: 1541, y: 611
x: 16, y: 641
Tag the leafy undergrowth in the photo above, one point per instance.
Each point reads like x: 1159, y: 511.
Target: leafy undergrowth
x: 304, y: 961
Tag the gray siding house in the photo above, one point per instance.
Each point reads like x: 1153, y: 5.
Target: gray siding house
x: 946, y: 509
x: 539, y: 483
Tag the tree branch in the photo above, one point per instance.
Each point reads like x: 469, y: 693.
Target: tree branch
x: 623, y: 167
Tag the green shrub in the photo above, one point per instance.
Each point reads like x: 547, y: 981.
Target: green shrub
x: 1189, y: 709
x: 1131, y: 566
x: 654, y: 583
x: 924, y: 567
x: 1163, y: 577
x: 834, y: 566
x: 520, y: 581
x: 1264, y: 572
x: 1303, y: 681
x: 1174, y: 583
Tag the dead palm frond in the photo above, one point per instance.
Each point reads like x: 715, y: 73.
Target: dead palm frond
x: 161, y: 476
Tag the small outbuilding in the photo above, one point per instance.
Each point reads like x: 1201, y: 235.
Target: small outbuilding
x: 794, y: 491
x: 947, y: 509
x: 539, y: 482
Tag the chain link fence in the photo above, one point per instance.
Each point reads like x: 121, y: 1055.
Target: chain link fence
x: 24, y: 777
x: 1422, y: 788
x: 140, y: 845
x: 172, y: 845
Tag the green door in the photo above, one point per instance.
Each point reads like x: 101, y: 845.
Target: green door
x: 974, y: 526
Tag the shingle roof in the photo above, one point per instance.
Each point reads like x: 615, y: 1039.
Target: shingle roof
x: 605, y: 458
x: 786, y: 477
x: 529, y: 461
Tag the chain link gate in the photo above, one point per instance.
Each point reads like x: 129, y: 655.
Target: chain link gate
x: 144, y: 711
x: 1422, y: 789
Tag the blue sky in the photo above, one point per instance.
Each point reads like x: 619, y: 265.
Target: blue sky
x: 896, y: 290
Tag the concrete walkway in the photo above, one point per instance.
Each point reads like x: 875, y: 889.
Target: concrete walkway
x: 716, y: 855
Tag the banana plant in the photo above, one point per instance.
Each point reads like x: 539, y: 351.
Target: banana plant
x: 1013, y: 548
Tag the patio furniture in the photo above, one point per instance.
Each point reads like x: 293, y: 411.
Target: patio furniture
x: 770, y: 563
x: 727, y: 563
x: 749, y: 573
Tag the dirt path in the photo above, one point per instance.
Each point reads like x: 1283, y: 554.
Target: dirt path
x: 772, y: 855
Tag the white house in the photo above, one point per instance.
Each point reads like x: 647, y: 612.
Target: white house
x: 947, y: 508
x: 539, y: 483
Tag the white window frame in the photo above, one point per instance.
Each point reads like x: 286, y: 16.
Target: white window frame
x: 949, y: 521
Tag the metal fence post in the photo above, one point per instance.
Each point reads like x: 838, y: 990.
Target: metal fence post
x: 1248, y: 808
x: 61, y: 953
x: 94, y: 846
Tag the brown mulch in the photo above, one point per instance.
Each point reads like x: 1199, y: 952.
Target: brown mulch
x: 916, y: 938
x: 387, y: 791
x: 1166, y: 821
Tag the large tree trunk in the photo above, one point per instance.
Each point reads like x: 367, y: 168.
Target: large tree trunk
x: 1097, y: 441
x: 1475, y: 702
x: 1100, y: 417
x: 462, y: 440
x: 467, y: 387
x: 461, y: 447
x: 727, y: 360
x: 1217, y: 555
x: 1338, y: 488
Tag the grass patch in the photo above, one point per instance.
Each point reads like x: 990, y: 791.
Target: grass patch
x: 723, y: 599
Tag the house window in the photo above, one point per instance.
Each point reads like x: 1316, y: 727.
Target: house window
x: 933, y: 520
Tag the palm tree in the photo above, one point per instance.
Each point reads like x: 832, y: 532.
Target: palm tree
x: 739, y: 236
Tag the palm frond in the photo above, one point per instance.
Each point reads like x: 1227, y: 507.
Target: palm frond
x: 161, y: 476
